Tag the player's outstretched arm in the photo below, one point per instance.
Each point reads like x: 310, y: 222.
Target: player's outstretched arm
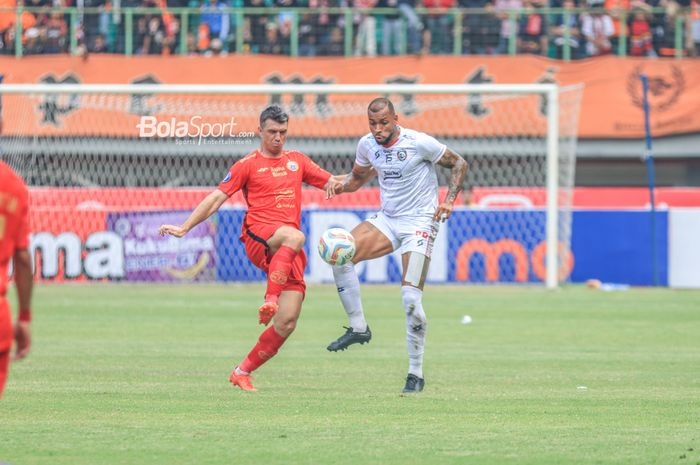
x: 357, y: 178
x: 458, y: 169
x: 204, y: 210
x: 24, y: 280
x: 334, y: 184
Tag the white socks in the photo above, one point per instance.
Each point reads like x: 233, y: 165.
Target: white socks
x: 416, y: 324
x: 348, y: 285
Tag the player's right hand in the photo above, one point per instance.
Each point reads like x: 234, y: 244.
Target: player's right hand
x: 23, y: 338
x: 177, y: 231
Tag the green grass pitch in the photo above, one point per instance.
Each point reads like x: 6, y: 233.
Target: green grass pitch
x: 138, y: 374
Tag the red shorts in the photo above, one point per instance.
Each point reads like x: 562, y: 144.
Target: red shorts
x: 6, y: 335
x: 255, y: 241
x: 6, y: 339
x: 4, y: 368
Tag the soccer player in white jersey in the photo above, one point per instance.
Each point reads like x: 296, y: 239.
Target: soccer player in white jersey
x: 404, y: 160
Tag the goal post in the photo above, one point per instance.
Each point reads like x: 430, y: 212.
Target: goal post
x: 137, y: 141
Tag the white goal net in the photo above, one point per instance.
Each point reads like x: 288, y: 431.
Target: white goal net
x: 107, y: 164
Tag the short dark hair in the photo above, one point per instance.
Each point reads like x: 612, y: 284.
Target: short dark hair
x: 275, y: 113
x: 379, y: 103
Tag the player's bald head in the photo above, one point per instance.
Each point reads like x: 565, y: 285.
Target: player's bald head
x: 380, y: 104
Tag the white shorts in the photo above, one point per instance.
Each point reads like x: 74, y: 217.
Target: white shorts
x: 407, y: 234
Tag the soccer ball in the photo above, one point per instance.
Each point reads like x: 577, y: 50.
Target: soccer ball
x: 336, y: 246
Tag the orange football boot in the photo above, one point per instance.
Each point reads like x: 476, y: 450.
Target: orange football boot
x: 242, y: 381
x: 266, y: 312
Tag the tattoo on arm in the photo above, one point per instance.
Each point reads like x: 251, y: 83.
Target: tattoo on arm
x: 458, y: 166
x: 357, y: 178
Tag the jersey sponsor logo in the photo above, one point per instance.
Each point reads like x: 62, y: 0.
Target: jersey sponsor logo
x: 402, y: 155
x: 8, y: 202
x: 278, y: 171
x: 263, y: 169
x: 392, y: 174
x: 227, y: 178
x: 377, y: 154
x: 389, y: 156
x: 292, y: 166
x: 285, y: 199
x: 278, y: 277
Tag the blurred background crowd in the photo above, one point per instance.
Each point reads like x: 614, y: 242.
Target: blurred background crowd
x: 569, y: 29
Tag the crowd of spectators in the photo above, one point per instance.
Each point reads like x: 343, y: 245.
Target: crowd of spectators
x: 379, y: 27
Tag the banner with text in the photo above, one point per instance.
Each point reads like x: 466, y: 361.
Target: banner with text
x: 611, y: 107
x: 485, y: 246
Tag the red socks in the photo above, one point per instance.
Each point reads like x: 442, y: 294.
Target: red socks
x: 269, y: 341
x: 277, y: 275
x: 266, y: 348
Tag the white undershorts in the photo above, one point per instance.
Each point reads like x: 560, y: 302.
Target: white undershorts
x: 407, y: 234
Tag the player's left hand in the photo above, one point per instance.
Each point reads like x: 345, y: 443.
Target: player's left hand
x: 334, y: 186
x: 23, y: 339
x: 444, y: 210
x: 177, y: 231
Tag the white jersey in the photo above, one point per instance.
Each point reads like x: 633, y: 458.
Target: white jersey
x: 406, y: 171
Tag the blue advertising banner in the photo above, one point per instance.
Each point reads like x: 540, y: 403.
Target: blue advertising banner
x: 474, y: 246
x: 615, y: 247
x: 482, y: 247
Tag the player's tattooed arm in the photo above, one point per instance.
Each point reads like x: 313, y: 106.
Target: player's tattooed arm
x: 358, y: 177
x: 458, y: 170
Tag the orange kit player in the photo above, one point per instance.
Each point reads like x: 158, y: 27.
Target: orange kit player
x: 270, y: 178
x: 14, y: 243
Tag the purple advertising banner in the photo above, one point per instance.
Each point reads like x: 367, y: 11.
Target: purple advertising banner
x: 150, y: 257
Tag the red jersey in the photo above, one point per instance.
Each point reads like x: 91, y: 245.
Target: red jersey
x: 14, y: 219
x: 272, y: 186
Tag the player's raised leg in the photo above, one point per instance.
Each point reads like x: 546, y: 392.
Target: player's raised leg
x: 370, y: 243
x: 284, y: 246
x: 270, y: 340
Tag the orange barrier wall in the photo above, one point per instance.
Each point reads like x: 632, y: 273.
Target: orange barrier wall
x: 611, y: 104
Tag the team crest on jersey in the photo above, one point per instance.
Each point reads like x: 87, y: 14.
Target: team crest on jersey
x: 402, y: 155
x: 292, y: 166
x: 227, y: 178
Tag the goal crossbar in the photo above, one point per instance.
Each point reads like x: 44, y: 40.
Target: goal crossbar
x: 549, y: 91
x: 240, y: 89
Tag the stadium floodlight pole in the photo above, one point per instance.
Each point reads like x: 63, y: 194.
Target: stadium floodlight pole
x: 649, y: 159
x: 548, y: 91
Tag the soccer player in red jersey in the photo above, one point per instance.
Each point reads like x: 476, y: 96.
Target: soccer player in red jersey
x: 270, y: 179
x: 14, y: 244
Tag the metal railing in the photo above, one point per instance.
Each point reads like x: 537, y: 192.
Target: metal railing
x: 121, y: 29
